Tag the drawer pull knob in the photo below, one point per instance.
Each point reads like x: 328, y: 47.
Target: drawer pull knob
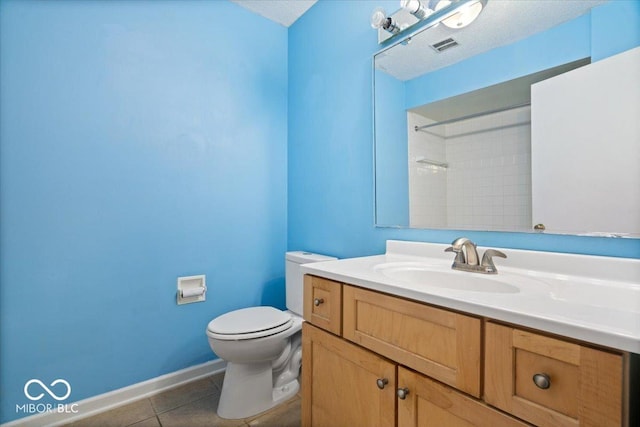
x: 381, y: 382
x: 318, y: 301
x: 402, y: 393
x: 542, y: 381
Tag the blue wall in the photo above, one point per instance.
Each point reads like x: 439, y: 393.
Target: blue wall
x: 330, y: 136
x: 141, y: 141
x: 392, y: 151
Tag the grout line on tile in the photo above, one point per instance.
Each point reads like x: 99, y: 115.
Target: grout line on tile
x: 145, y: 419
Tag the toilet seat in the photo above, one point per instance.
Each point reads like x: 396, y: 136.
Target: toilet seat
x: 249, y: 323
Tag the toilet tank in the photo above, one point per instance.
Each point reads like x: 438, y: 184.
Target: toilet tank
x: 294, y: 277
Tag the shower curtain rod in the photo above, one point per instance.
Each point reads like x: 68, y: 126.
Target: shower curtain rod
x: 471, y: 116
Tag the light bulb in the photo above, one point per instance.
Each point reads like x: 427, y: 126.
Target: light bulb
x: 464, y: 16
x: 379, y: 19
x: 416, y: 8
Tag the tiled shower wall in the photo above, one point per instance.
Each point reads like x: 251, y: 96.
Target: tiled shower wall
x: 427, y: 183
x: 487, y: 182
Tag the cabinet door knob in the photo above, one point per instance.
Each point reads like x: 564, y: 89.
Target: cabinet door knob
x: 318, y: 301
x: 402, y: 393
x: 542, y: 381
x: 381, y: 382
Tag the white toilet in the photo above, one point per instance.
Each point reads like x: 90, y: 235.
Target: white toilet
x: 262, y: 347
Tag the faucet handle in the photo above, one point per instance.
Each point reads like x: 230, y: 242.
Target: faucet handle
x: 459, y: 254
x: 489, y: 253
x: 487, y: 260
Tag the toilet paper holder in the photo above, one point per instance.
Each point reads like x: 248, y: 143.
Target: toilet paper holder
x: 191, y: 289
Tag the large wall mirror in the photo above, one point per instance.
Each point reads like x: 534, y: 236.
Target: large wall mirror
x: 484, y: 134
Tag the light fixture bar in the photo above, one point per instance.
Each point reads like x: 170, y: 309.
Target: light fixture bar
x: 430, y: 21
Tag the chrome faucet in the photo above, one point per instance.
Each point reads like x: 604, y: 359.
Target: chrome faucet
x: 467, y: 257
x: 465, y: 251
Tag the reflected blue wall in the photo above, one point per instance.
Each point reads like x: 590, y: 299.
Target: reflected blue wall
x: 615, y: 27
x: 560, y: 45
x: 570, y: 41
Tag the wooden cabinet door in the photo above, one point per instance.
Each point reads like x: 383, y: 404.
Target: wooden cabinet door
x: 577, y: 385
x: 322, y: 303
x: 439, y: 343
x: 340, y: 383
x: 430, y: 404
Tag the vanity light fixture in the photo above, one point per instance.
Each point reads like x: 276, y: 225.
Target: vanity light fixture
x: 455, y: 14
x: 464, y: 16
x: 417, y: 8
x: 379, y: 19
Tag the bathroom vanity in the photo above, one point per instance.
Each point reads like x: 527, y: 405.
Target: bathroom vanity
x: 402, y: 340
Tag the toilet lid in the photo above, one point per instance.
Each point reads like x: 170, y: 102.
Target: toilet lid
x: 250, y: 321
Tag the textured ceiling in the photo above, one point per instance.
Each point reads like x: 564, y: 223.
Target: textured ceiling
x: 284, y: 12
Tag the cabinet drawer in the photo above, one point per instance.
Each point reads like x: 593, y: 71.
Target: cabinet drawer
x: 430, y: 404
x: 438, y: 343
x: 323, y: 303
x: 583, y: 385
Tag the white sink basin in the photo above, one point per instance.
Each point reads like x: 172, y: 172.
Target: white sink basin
x: 579, y: 291
x: 444, y: 277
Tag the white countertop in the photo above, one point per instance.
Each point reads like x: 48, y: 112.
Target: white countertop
x: 589, y: 298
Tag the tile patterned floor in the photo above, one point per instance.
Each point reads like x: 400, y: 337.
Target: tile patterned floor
x: 190, y: 405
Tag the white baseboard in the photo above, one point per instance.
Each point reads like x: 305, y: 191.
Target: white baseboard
x: 104, y: 402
